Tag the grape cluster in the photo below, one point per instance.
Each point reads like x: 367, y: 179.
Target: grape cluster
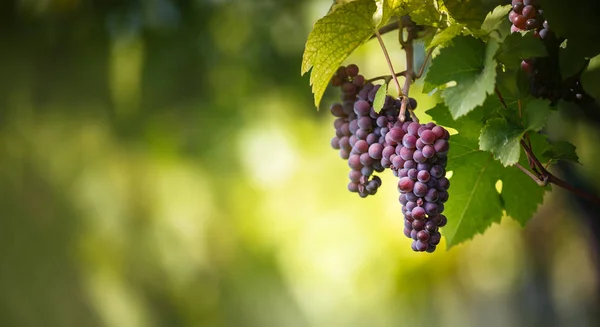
x: 357, y: 131
x: 544, y: 73
x: 527, y: 15
x: 416, y: 153
x: 419, y: 161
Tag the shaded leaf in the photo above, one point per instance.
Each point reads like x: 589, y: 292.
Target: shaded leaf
x: 501, y: 137
x: 469, y: 63
x: 517, y: 47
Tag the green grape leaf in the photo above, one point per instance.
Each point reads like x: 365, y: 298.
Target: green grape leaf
x: 470, y: 124
x: 517, y: 47
x: 536, y: 114
x: 333, y: 38
x: 422, y: 12
x: 501, y: 137
x: 494, y: 19
x: 446, y: 35
x: 561, y: 150
x: 471, y: 12
x: 520, y: 194
x: 473, y: 204
x: 380, y: 97
x: 590, y: 78
x: 469, y: 63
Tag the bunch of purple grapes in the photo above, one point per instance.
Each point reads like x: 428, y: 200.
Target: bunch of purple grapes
x: 545, y: 79
x: 419, y: 160
x: 416, y: 153
x: 357, y: 130
x: 527, y: 15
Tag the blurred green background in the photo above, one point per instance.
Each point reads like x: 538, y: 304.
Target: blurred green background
x: 162, y: 164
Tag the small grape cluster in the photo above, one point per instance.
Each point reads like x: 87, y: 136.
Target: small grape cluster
x: 545, y: 79
x: 416, y: 153
x: 357, y: 130
x: 527, y: 15
x: 419, y: 161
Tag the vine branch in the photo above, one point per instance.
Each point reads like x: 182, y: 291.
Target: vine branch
x: 386, y: 78
x: 385, y: 29
x: 407, y: 45
x: 544, y: 177
x: 389, y: 62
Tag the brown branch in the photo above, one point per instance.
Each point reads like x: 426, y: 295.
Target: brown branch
x: 407, y: 45
x: 385, y: 29
x: 389, y: 62
x: 547, y: 177
x: 386, y: 78
x: 422, y: 68
x: 540, y: 182
x: 500, y: 97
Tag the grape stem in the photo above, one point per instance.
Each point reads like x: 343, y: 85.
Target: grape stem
x: 386, y: 78
x: 407, y: 45
x: 544, y: 177
x: 422, y: 68
x: 389, y: 62
x: 385, y: 29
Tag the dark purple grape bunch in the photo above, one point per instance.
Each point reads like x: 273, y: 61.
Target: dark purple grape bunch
x: 356, y: 130
x: 527, y: 15
x: 421, y: 166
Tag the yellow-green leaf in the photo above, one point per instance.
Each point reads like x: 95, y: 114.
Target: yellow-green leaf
x: 333, y: 38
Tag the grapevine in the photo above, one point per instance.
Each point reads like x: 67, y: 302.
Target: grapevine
x: 497, y: 76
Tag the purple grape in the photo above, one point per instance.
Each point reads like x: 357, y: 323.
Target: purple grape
x: 409, y: 164
x: 423, y: 176
x: 354, y: 162
x: 423, y: 236
x: 405, y: 184
x: 353, y: 187
x: 407, y: 154
x: 388, y: 151
x: 418, y: 213
x: 431, y: 208
x: 432, y: 195
x: 375, y: 150
x: 413, y: 128
x: 361, y: 146
x: 362, y: 107
x: 402, y: 172
x: 418, y: 156
x: 443, y: 184
x: 428, y: 151
x: 437, y: 171
x: 409, y: 141
x: 428, y: 137
x: 372, y: 138
x: 366, y: 159
x: 355, y: 175
x: 402, y: 199
x: 365, y: 123
x: 431, y: 226
x: 418, y: 225
x: 412, y: 174
x: 420, y: 189
x: 335, y: 142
